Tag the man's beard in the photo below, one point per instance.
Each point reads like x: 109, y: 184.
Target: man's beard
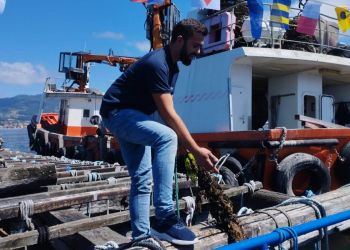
x: 184, y: 57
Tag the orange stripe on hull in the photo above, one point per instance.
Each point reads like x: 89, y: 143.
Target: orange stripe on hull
x: 79, y: 131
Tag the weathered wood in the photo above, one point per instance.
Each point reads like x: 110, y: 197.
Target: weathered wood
x: 260, y: 223
x: 97, y: 236
x: 59, y: 193
x: 316, y: 123
x: 11, y: 209
x: 86, y: 178
x: 265, y: 198
x: 16, y: 180
x: 85, y: 184
x: 69, y: 228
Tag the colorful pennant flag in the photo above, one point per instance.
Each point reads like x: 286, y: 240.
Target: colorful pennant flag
x: 256, y: 12
x: 343, y: 16
x: 148, y: 1
x: 280, y: 13
x: 308, y: 20
x: 206, y: 4
x: 2, y: 6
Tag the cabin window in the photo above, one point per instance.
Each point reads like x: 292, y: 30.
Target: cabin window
x: 86, y: 113
x: 310, y: 106
x: 215, y: 33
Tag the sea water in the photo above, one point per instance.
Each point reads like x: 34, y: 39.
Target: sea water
x: 16, y: 139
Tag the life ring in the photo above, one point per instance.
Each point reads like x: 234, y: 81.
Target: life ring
x: 235, y: 166
x: 318, y: 178
x: 342, y: 168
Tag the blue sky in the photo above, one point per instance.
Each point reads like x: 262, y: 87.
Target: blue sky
x: 34, y: 32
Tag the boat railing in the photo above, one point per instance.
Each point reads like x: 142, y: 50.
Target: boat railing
x: 326, y: 38
x: 52, y: 86
x: 282, y: 234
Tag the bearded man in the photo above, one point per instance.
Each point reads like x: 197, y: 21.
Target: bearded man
x: 127, y: 107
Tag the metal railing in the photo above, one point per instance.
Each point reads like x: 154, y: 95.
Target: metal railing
x: 273, y: 37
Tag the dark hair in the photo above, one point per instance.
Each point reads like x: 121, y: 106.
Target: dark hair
x: 187, y: 27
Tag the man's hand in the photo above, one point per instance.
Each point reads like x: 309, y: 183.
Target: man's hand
x: 206, y: 159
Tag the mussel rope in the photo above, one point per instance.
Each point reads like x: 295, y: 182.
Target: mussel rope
x: 177, y: 190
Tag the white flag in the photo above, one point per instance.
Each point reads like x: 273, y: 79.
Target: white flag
x: 2, y: 6
x: 206, y: 4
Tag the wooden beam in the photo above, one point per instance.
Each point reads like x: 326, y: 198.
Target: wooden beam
x: 263, y: 221
x: 316, y: 123
x: 21, y: 179
x: 69, y: 228
x: 86, y: 177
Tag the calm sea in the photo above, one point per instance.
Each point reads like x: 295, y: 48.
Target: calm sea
x: 16, y: 139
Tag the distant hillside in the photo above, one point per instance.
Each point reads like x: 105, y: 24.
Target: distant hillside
x: 22, y: 107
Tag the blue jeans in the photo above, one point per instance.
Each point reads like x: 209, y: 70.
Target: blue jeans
x: 137, y: 133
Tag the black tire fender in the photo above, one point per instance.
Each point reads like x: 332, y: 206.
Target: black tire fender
x: 342, y: 168
x: 293, y: 164
x: 228, y: 177
x: 235, y: 166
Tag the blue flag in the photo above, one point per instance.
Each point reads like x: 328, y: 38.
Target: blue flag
x: 256, y: 12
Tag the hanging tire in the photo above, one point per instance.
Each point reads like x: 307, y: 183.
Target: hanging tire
x: 306, y: 171
x: 342, y: 168
x: 235, y: 166
x: 228, y: 177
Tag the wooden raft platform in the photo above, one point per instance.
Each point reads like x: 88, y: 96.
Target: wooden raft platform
x: 61, y: 213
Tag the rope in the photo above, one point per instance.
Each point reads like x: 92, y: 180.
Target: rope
x: 189, y: 210
x: 150, y: 242
x: 251, y: 186
x: 64, y: 186
x: 221, y: 161
x: 218, y: 177
x: 274, y: 155
x: 319, y: 210
x: 176, y: 191
x: 73, y: 172
x: 110, y: 245
x: 112, y: 181
x: 44, y: 235
x: 26, y: 209
x: 244, y: 211
x: 94, y: 177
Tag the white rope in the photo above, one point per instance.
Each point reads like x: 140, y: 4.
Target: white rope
x: 26, y: 209
x: 244, y: 211
x: 251, y: 186
x: 112, y: 181
x: 110, y: 245
x: 189, y: 209
x: 94, y: 176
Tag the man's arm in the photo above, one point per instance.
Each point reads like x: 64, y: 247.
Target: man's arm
x: 165, y: 106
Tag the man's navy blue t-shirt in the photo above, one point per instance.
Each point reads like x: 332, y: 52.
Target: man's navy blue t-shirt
x: 153, y: 73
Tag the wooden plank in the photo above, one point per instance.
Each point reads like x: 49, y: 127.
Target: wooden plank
x: 316, y: 123
x: 69, y: 228
x: 11, y: 210
x: 97, y: 236
x: 16, y: 180
x: 260, y: 223
x: 86, y: 177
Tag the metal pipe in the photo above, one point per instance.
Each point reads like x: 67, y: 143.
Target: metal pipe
x: 277, y: 237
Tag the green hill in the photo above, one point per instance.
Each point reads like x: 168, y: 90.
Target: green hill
x: 21, y: 108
